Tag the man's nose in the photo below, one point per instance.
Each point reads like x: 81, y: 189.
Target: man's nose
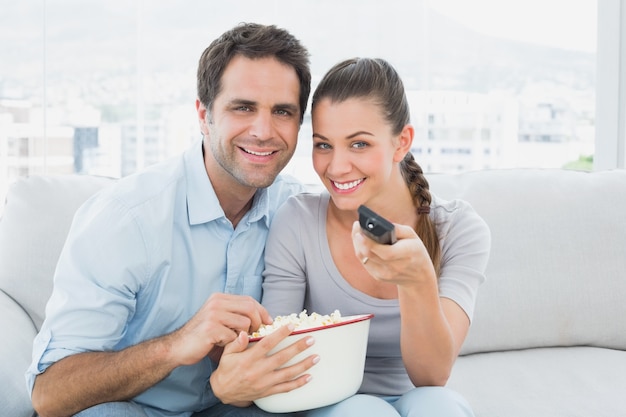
x: 262, y: 126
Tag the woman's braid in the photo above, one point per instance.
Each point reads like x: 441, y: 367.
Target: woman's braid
x: 425, y: 227
x: 416, y: 181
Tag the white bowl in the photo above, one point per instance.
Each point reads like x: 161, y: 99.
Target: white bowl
x: 339, y: 373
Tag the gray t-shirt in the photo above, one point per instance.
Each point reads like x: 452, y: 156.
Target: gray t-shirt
x: 300, y: 273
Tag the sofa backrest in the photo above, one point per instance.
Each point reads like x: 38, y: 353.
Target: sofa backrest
x: 557, y: 270
x: 33, y: 228
x: 556, y: 274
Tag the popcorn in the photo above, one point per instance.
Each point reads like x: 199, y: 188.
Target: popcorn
x: 301, y: 321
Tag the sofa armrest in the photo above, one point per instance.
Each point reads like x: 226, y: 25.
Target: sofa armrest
x: 18, y: 333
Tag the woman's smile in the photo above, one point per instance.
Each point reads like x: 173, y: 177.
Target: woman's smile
x: 348, y: 186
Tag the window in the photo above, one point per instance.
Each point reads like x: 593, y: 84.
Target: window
x: 107, y: 87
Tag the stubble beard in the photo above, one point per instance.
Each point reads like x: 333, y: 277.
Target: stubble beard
x: 244, y: 173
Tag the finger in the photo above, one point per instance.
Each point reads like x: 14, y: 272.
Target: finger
x: 270, y: 341
x: 281, y: 378
x: 251, y: 309
x: 264, y: 317
x: 284, y: 355
x: 254, y: 312
x: 404, y: 232
x: 359, y: 241
x: 239, y: 344
x: 357, y: 232
x: 221, y: 335
x: 292, y: 377
x: 240, y: 313
x: 280, y: 358
x: 291, y: 372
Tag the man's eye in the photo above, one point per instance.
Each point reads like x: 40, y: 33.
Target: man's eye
x: 242, y: 108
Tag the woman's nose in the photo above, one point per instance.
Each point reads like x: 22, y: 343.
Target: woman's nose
x: 339, y: 164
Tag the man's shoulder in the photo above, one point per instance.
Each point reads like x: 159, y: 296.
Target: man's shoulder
x: 283, y: 187
x: 288, y: 181
x: 155, y: 186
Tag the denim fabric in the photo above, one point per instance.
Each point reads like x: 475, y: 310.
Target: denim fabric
x: 115, y: 409
x: 130, y: 409
x: 418, y: 402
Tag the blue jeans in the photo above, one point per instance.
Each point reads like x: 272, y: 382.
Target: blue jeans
x: 419, y: 402
x: 130, y: 409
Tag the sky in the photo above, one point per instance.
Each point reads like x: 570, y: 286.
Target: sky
x: 547, y: 22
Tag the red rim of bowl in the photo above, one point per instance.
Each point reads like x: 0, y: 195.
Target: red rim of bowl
x: 349, y: 320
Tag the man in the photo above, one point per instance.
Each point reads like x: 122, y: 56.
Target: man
x: 162, y: 272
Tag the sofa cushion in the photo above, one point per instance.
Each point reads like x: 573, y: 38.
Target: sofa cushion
x: 557, y: 271
x: 554, y: 382
x: 33, y: 228
x: 15, y: 351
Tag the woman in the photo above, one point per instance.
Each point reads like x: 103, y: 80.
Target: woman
x: 421, y: 289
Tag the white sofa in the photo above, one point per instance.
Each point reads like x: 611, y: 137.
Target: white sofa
x: 549, y: 333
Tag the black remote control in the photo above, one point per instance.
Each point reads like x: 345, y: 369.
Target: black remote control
x: 376, y: 227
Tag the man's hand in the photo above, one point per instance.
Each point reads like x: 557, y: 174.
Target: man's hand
x: 246, y: 374
x: 218, y: 322
x: 89, y: 378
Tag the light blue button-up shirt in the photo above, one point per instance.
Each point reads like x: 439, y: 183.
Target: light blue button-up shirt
x: 141, y: 258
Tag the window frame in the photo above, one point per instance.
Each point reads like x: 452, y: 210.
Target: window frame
x: 610, y: 122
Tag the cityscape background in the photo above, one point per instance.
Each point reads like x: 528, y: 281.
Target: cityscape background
x: 108, y: 87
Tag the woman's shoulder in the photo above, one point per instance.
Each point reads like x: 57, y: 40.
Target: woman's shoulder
x: 303, y: 206
x: 458, y: 224
x: 455, y: 214
x: 305, y: 202
x: 443, y: 209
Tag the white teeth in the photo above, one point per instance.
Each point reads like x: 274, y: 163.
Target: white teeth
x: 347, y: 185
x: 258, y: 153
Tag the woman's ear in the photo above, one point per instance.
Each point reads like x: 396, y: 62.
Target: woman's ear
x: 405, y: 141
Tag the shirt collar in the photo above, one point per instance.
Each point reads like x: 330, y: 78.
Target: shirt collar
x: 202, y: 203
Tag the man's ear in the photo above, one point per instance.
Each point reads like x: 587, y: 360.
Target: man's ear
x: 202, y: 117
x: 405, y: 141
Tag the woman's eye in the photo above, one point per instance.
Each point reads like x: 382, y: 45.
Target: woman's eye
x: 359, y: 145
x: 322, y: 145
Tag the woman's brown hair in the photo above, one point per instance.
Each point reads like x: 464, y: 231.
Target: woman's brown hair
x: 375, y: 79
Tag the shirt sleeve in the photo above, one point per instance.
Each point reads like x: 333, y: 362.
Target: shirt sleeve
x: 466, y: 242
x: 284, y: 278
x: 100, y: 270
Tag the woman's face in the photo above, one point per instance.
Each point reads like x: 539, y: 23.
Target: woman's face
x: 355, y: 153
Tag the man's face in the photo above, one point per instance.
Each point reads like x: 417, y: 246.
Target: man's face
x: 252, y: 131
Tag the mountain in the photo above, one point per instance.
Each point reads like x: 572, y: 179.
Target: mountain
x: 88, y: 42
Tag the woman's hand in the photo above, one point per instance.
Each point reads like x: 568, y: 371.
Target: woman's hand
x: 406, y: 263
x: 245, y: 374
x: 432, y: 328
